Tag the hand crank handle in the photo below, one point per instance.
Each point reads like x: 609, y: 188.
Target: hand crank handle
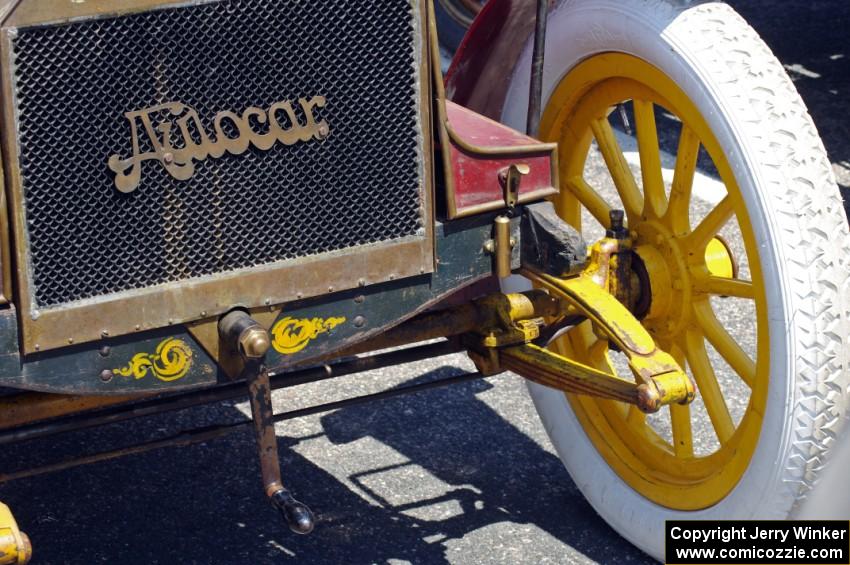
x: 297, y: 515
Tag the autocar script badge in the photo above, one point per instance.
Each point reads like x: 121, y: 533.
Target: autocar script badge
x: 195, y: 144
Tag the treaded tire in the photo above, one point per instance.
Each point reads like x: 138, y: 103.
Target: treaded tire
x: 800, y: 225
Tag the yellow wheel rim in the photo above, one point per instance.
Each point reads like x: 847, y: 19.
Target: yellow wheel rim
x: 688, y: 266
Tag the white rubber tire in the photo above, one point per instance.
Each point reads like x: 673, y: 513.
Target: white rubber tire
x: 801, y: 230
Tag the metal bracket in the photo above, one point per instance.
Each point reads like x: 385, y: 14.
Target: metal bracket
x: 511, y: 179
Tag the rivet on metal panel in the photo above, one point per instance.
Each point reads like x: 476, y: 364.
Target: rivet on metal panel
x: 106, y: 375
x: 359, y: 322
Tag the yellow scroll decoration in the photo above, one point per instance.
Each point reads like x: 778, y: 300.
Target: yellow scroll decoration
x: 171, y: 362
x: 291, y: 335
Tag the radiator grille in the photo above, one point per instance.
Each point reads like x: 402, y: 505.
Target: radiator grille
x: 74, y: 82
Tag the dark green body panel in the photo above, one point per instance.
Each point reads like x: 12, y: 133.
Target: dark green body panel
x: 367, y: 312
x: 79, y: 370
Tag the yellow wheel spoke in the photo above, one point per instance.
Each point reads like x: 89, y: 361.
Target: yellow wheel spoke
x: 655, y: 202
x: 709, y: 388
x: 635, y: 417
x: 598, y: 352
x: 711, y: 224
x: 683, y: 437
x: 680, y: 416
x: 623, y: 178
x: 720, y: 286
x: 683, y: 179
x: 724, y: 343
x: 590, y: 199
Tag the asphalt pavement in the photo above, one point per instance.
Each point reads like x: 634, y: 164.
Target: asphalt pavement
x: 458, y: 475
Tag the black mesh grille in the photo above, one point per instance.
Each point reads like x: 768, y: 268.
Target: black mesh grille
x: 75, y: 82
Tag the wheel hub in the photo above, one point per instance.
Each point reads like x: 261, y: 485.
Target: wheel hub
x: 665, y: 275
x: 667, y: 280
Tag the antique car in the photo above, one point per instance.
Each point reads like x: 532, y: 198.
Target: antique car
x: 625, y: 202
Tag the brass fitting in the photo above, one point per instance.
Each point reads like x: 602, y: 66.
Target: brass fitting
x: 501, y: 246
x: 245, y: 334
x: 254, y: 342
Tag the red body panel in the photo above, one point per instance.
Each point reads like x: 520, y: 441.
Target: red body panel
x: 479, y: 73
x: 476, y: 175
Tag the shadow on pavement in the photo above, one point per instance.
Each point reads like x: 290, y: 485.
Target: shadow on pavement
x: 203, y: 504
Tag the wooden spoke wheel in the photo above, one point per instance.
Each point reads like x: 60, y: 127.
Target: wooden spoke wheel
x: 683, y: 118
